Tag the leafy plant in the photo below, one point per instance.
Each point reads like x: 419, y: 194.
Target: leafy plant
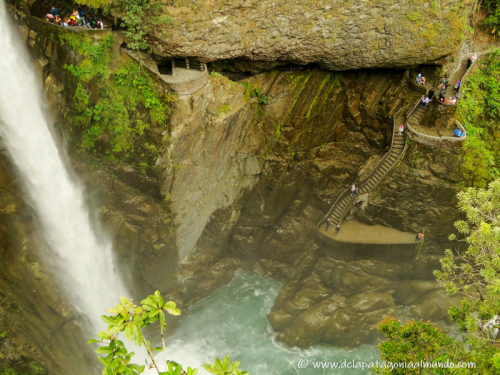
x: 131, y: 320
x: 224, y: 367
x: 125, y: 102
x: 259, y: 95
x: 475, y: 274
x: 492, y: 20
x: 412, y: 341
x: 479, y: 112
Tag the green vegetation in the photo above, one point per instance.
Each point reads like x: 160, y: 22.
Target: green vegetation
x: 475, y: 274
x: 223, y: 109
x: 259, y: 95
x: 479, y: 111
x: 31, y: 368
x: 96, y: 4
x: 492, y: 20
x: 114, y: 106
x: 138, y: 17
x: 416, y: 17
x: 412, y: 342
x: 216, y: 75
x: 431, y: 31
x: 131, y: 320
x: 318, y: 93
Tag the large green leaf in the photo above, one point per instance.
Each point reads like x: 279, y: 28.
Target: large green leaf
x: 159, y: 299
x: 104, y: 350
x: 108, y: 320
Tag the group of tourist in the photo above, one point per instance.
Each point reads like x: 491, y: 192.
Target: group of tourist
x: 458, y: 133
x: 77, y: 18
x: 420, y: 79
x: 354, y: 191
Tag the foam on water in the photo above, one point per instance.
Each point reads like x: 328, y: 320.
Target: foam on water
x: 233, y: 321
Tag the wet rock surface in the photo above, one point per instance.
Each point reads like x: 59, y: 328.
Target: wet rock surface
x: 340, y: 303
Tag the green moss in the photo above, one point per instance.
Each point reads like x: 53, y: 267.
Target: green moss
x: 299, y: 92
x: 431, y: 30
x: 216, y: 75
x: 318, y: 93
x: 223, y: 109
x: 416, y: 17
x: 112, y: 106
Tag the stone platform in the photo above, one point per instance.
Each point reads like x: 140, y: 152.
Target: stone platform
x: 353, y: 231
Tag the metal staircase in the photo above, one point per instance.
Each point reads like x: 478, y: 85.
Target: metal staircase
x: 345, y: 200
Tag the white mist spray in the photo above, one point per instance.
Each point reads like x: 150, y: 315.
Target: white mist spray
x: 84, y: 265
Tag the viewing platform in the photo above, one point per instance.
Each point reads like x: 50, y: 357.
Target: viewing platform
x: 353, y: 231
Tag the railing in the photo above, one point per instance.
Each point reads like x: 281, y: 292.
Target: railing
x: 361, y: 184
x: 432, y: 138
x: 463, y: 79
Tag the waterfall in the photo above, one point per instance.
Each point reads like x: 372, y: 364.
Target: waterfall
x: 82, y: 260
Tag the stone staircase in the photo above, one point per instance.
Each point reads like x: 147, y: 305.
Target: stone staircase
x: 416, y: 114
x: 345, y: 200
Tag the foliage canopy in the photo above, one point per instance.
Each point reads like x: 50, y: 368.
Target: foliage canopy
x: 479, y: 112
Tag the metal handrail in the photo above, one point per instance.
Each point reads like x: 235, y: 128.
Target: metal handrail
x: 432, y: 137
x: 375, y: 169
x: 404, y: 80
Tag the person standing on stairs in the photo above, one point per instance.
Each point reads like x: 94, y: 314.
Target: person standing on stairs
x: 430, y: 95
x: 353, y: 188
x: 328, y: 223
x: 401, y: 129
x: 337, y: 229
x: 425, y: 102
x: 54, y: 11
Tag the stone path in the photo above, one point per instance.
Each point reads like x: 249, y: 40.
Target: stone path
x: 355, y: 232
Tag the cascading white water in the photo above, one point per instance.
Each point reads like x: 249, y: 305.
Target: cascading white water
x: 83, y: 262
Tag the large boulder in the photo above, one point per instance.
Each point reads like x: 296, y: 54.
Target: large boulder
x: 338, y: 34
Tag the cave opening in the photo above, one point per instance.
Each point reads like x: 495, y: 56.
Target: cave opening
x: 165, y: 68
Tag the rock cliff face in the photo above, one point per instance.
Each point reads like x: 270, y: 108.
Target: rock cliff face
x: 336, y: 34
x: 216, y: 151
x: 246, y: 183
